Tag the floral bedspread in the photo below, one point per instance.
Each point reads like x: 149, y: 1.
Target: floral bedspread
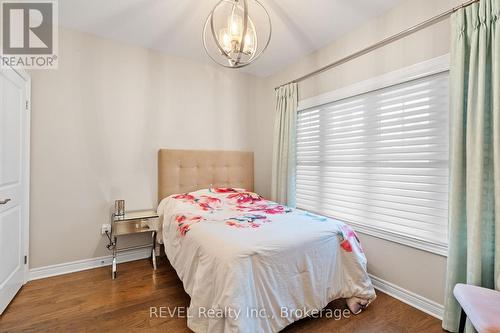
x: 235, y: 207
x: 235, y: 250
x: 239, y: 208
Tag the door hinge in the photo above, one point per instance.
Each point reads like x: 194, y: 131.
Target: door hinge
x: 25, y: 260
x: 27, y: 104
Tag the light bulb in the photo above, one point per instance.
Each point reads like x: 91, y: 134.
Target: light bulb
x: 235, y: 26
x: 249, y: 47
x: 250, y: 39
x: 225, y: 40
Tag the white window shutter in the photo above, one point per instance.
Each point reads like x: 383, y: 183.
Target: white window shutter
x: 380, y: 159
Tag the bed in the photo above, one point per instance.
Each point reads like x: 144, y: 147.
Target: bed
x: 249, y: 264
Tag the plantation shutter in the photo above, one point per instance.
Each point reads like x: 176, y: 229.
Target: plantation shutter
x: 379, y: 160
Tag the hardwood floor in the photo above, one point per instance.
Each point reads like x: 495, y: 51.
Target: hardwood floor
x: 90, y: 301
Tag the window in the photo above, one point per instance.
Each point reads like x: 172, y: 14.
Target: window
x: 379, y: 160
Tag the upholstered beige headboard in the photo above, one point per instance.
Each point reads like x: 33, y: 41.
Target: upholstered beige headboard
x: 181, y: 171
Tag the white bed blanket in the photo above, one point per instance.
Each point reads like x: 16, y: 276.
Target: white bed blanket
x: 251, y: 265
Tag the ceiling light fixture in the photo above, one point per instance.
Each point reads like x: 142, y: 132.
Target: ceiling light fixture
x: 230, y: 37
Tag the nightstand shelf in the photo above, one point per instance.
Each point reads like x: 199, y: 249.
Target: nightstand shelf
x: 127, y: 227
x: 133, y: 222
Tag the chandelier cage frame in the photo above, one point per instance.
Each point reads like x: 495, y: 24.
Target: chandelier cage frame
x: 235, y: 63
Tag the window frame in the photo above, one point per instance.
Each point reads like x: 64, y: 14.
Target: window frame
x: 430, y: 67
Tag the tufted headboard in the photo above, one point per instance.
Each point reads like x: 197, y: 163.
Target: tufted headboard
x: 181, y: 171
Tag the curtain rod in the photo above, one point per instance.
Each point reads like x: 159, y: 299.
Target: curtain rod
x: 383, y: 42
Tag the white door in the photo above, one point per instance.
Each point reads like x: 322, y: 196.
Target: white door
x: 14, y: 156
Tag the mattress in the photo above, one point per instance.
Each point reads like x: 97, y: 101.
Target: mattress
x: 252, y: 265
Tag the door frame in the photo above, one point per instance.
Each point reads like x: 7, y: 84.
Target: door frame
x: 26, y: 168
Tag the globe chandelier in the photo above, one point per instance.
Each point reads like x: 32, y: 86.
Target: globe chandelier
x: 230, y: 35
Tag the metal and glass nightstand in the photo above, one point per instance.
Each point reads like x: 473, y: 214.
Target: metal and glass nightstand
x: 133, y: 222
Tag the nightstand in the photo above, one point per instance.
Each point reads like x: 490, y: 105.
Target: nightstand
x: 133, y: 222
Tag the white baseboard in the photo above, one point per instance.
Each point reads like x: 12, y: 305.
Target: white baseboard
x: 419, y: 302
x: 81, y: 265
x: 423, y: 304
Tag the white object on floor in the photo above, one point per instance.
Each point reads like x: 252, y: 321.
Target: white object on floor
x: 356, y: 304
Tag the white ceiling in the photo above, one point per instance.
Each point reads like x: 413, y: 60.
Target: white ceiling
x: 175, y: 26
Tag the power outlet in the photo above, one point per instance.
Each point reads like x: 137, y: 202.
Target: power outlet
x: 104, y: 228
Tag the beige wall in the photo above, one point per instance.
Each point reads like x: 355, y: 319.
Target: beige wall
x: 97, y: 123
x: 418, y: 271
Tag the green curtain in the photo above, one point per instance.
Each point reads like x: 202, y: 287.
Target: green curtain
x: 283, y: 174
x: 474, y: 218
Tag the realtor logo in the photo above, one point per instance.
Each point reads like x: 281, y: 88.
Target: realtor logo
x: 29, y: 34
